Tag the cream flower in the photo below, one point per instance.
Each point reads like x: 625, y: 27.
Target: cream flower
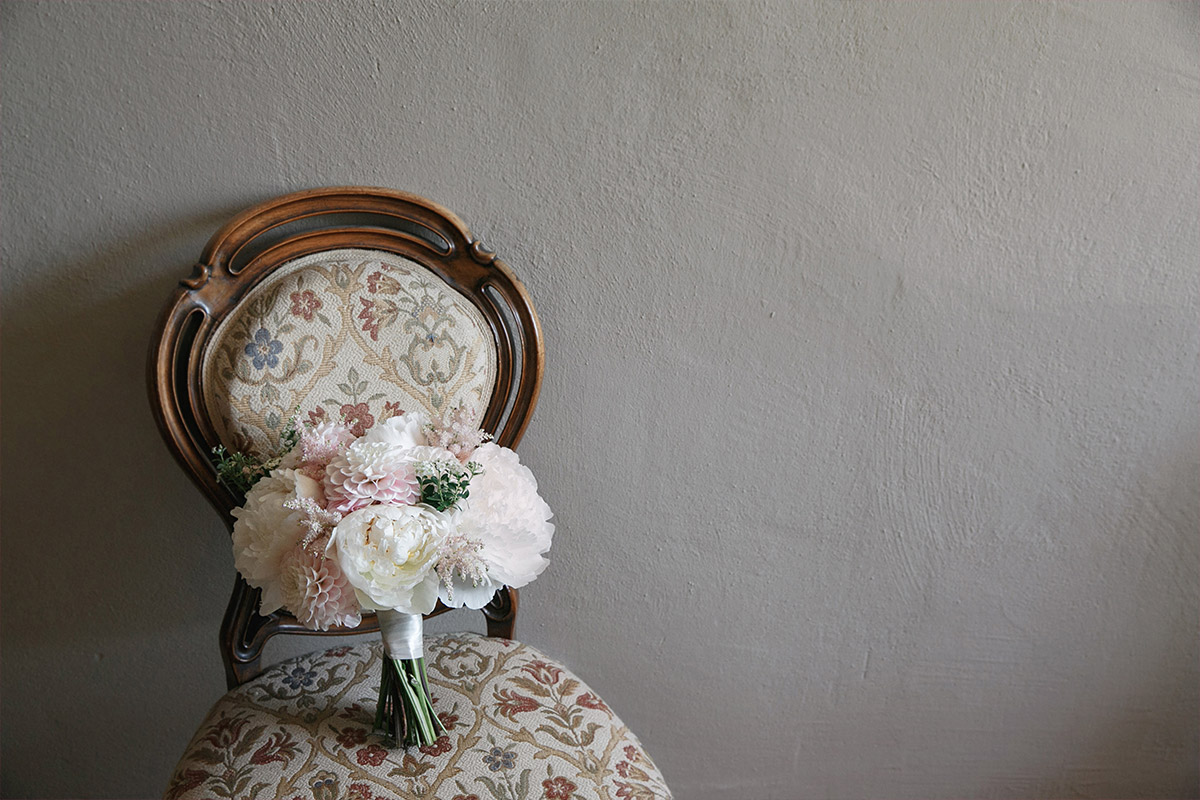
x: 265, y: 530
x: 508, y: 519
x: 403, y: 431
x: 388, y: 555
x: 316, y: 591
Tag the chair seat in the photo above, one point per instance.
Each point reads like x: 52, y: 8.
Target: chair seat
x: 519, y: 726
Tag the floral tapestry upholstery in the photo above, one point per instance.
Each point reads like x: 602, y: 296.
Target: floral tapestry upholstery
x: 356, y: 334
x: 519, y: 727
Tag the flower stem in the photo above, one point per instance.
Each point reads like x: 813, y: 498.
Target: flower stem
x: 405, y: 712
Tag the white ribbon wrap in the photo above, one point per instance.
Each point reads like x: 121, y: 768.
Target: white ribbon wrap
x: 402, y: 634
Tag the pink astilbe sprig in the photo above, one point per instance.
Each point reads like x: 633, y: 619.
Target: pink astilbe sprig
x: 317, y: 522
x: 321, y: 444
x: 459, y: 554
x: 458, y: 432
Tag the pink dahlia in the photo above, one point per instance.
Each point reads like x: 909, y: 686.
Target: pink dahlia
x: 370, y: 473
x: 316, y: 591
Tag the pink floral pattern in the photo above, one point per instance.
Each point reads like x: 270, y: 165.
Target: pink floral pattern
x: 519, y: 727
x: 354, y: 329
x: 558, y: 788
x: 305, y: 304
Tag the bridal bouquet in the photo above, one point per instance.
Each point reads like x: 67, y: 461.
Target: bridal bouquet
x: 411, y: 512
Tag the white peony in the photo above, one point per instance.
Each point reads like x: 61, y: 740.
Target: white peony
x: 388, y: 554
x: 509, y: 520
x: 404, y: 431
x: 265, y: 531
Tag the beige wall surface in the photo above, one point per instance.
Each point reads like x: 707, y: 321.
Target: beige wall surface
x: 870, y: 416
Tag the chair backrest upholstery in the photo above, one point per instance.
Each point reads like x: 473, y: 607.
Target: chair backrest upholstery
x: 354, y: 303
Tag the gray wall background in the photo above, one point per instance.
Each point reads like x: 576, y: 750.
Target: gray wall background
x: 870, y: 418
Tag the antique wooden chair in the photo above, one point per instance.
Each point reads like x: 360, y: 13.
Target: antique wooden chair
x: 361, y: 303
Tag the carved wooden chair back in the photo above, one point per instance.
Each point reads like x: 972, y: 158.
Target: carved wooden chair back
x: 355, y: 303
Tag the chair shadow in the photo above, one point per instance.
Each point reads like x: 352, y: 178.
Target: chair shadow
x: 99, y: 522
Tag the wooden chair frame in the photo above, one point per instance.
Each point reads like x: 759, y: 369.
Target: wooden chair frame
x: 244, y: 253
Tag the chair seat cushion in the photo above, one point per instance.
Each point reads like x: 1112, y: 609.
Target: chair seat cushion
x: 519, y: 726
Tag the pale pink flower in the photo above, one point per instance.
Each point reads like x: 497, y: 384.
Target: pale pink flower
x: 320, y: 444
x: 370, y: 473
x: 267, y: 526
x: 457, y: 432
x: 317, y: 592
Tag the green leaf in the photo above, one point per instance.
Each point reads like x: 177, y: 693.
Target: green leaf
x: 493, y: 790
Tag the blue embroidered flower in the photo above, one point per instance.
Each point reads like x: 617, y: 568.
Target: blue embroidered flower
x: 264, y: 350
x: 300, y: 677
x: 499, y: 759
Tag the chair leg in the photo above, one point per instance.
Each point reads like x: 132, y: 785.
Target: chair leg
x: 501, y: 613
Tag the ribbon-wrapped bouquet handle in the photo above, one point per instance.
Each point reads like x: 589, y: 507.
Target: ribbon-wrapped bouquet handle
x: 405, y: 710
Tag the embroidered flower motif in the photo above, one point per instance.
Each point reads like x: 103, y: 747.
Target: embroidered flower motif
x: 264, y: 351
x: 225, y: 733
x: 378, y: 283
x: 376, y: 317
x: 558, y: 788
x: 589, y: 700
x: 358, y: 417
x: 439, y: 746
x: 390, y: 409
x: 512, y: 703
x: 337, y: 652
x: 372, y: 755
x: 280, y: 747
x: 300, y: 677
x: 542, y: 672
x: 351, y: 738
x: 465, y: 797
x: 498, y: 759
x: 632, y: 753
x: 305, y: 304
x: 317, y: 416
x: 627, y: 770
x: 359, y: 791
x: 324, y: 786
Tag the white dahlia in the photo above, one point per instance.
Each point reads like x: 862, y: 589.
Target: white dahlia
x: 370, y: 473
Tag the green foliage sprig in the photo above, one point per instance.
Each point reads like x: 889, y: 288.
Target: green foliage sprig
x: 240, y: 471
x: 444, y: 483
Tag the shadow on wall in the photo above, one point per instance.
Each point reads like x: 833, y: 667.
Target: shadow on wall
x: 94, y: 498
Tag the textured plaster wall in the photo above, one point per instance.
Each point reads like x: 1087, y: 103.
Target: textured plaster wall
x: 870, y: 417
